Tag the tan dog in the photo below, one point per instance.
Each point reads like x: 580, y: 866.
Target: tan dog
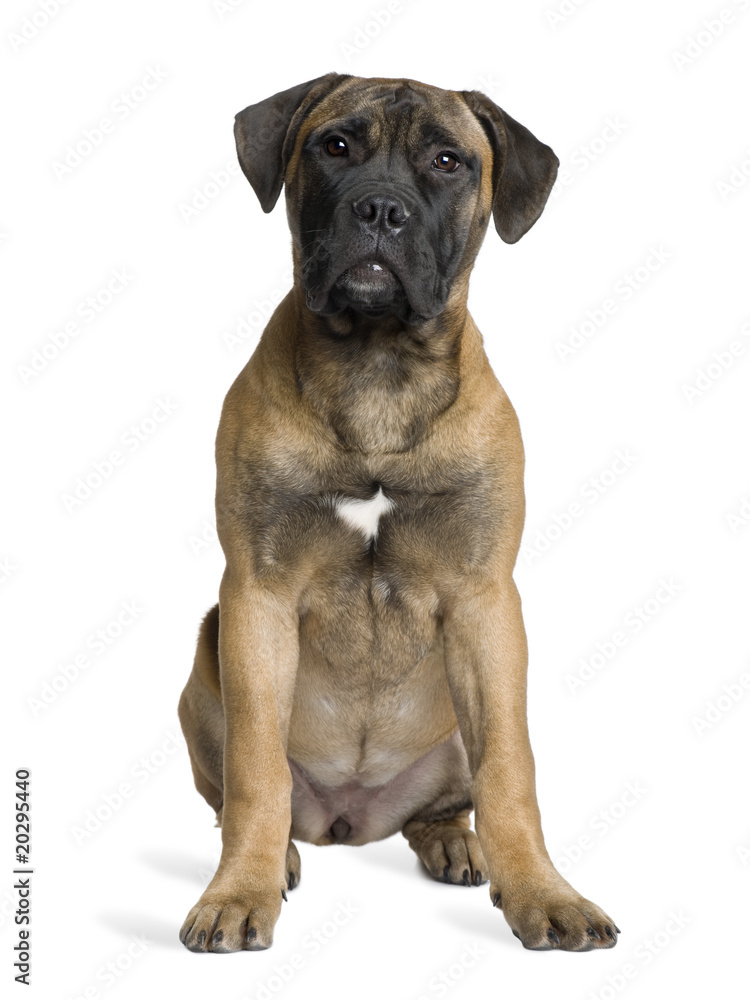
x: 367, y: 670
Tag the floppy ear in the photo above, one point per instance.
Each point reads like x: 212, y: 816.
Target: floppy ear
x: 260, y: 132
x: 524, y: 169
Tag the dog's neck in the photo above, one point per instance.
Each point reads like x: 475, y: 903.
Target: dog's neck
x: 377, y: 382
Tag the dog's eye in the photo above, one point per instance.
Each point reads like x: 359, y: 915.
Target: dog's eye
x: 446, y: 162
x: 336, y: 147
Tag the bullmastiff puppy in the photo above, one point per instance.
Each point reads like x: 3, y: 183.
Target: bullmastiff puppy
x: 364, y: 671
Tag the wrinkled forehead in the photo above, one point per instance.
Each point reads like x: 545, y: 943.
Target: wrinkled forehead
x: 399, y: 113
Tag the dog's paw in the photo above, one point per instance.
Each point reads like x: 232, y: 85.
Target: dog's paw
x: 234, y: 921
x: 557, y: 919
x: 451, y: 854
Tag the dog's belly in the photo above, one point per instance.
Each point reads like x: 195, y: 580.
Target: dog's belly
x: 357, y: 813
x: 373, y: 734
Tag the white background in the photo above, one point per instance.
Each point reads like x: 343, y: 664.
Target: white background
x: 652, y: 181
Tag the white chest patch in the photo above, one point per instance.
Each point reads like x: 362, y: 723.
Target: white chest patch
x: 364, y: 515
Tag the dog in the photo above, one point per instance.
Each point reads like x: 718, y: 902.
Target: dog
x: 364, y: 671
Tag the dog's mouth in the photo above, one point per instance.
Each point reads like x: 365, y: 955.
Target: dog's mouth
x: 370, y: 287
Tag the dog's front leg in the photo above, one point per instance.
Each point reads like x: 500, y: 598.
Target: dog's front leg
x: 486, y: 661
x: 258, y: 654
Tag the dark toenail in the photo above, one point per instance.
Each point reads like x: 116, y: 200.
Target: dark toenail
x: 610, y: 933
x: 466, y: 880
x: 283, y: 896
x: 552, y: 935
x: 446, y: 876
x: 251, y: 934
x: 618, y: 929
x: 477, y: 878
x: 592, y: 933
x: 292, y: 880
x: 496, y: 901
x: 218, y: 937
x: 202, y: 938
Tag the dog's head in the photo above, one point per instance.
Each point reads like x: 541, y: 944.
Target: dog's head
x: 389, y: 186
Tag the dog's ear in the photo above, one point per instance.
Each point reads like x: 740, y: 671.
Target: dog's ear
x: 523, y: 171
x: 261, y: 130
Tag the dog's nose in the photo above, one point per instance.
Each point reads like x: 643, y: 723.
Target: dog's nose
x: 384, y: 210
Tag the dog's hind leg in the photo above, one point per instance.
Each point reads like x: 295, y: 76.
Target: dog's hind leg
x: 202, y: 714
x: 447, y: 847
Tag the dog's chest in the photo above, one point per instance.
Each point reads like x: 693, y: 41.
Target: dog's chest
x: 363, y: 515
x: 370, y: 548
